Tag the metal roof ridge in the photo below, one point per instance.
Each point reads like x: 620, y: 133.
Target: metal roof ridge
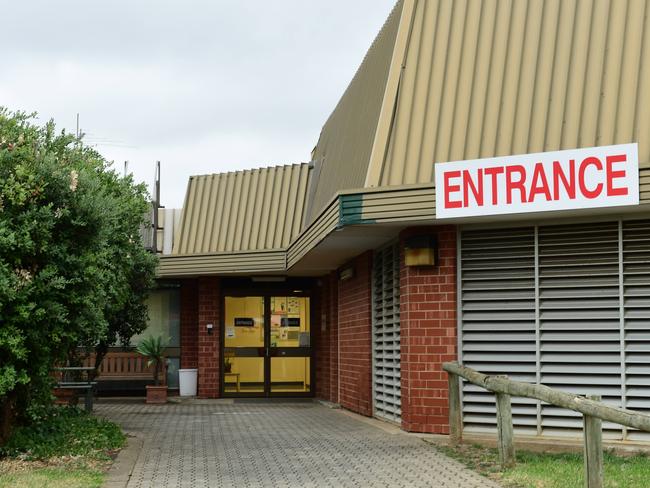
x: 248, y: 170
x: 372, y: 47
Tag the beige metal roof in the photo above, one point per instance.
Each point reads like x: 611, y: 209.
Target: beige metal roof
x: 343, y: 149
x: 243, y: 210
x: 261, y: 262
x: 325, y: 243
x: 444, y: 80
x: 485, y: 78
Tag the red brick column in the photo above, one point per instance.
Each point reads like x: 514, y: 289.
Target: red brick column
x: 209, y: 301
x: 322, y: 336
x: 326, y: 339
x: 355, y: 336
x: 428, y: 334
x: 333, y: 332
x: 189, y: 324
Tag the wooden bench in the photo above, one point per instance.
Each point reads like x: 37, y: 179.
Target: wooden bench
x: 128, y: 365
x: 124, y: 371
x: 66, y: 381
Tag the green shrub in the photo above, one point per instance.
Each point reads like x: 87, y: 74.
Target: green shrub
x: 64, y: 431
x: 74, y: 271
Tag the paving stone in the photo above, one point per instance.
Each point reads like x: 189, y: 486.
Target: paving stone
x: 277, y: 445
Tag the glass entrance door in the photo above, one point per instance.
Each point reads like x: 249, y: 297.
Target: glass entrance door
x: 290, y: 345
x: 243, y: 365
x: 267, y: 346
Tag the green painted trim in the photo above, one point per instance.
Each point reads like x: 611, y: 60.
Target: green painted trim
x: 351, y: 210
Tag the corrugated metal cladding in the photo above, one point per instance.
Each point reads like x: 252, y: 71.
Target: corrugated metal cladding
x: 488, y: 78
x: 225, y: 263
x: 343, y: 149
x: 567, y: 306
x: 387, y: 389
x: 243, y: 210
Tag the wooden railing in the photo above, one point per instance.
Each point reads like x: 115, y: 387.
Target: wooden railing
x: 592, y: 409
x: 123, y: 366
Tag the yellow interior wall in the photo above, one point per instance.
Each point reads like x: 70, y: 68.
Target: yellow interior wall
x: 289, y: 369
x: 251, y: 307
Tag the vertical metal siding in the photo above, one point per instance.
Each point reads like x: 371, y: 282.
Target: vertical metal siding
x: 386, y: 334
x: 485, y: 78
x: 346, y: 140
x: 564, y: 305
x: 243, y: 210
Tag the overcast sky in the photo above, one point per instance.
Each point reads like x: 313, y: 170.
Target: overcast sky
x: 203, y: 86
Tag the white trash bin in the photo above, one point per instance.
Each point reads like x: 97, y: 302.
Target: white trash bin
x: 187, y: 382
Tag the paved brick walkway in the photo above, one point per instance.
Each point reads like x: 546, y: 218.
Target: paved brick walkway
x: 219, y: 444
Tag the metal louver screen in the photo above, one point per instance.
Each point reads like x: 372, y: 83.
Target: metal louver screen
x: 498, y: 320
x: 567, y: 306
x: 386, y: 334
x: 636, y: 301
x: 580, y: 339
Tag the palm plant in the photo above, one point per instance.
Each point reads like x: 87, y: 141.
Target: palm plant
x: 153, y: 348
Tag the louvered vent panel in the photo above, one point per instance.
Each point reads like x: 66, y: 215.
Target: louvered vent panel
x: 498, y: 315
x: 386, y: 334
x: 579, y: 319
x: 636, y: 293
x: 590, y: 341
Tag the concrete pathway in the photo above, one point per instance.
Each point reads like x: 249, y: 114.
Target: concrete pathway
x: 260, y: 444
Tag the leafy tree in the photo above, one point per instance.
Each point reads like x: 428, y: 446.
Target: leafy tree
x: 73, y: 270
x: 133, y: 266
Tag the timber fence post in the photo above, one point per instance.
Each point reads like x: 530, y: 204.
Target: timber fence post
x: 455, y: 419
x: 594, y: 412
x: 593, y: 427
x: 505, y: 438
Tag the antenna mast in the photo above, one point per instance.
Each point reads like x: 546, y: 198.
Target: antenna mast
x: 156, y: 205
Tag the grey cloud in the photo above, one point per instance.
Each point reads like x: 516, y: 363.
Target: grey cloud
x: 204, y: 86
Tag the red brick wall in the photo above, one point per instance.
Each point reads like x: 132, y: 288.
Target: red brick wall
x: 333, y: 333
x: 209, y: 302
x: 428, y: 334
x: 326, y: 339
x: 189, y: 324
x: 354, y: 329
x: 321, y: 339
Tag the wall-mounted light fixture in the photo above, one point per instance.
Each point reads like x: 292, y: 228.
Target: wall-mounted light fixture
x: 209, y: 327
x: 346, y: 273
x: 420, y: 251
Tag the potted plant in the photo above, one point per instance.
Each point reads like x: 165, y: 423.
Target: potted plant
x: 227, y: 365
x: 153, y: 348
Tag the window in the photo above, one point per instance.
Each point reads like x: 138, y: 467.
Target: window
x: 164, y: 316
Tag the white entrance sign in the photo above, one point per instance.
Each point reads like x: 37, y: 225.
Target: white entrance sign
x: 595, y: 177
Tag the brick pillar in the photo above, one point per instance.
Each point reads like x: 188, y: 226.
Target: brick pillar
x: 326, y: 339
x: 189, y: 324
x: 322, y: 336
x: 428, y: 334
x: 333, y: 332
x: 209, y: 301
x: 355, y: 336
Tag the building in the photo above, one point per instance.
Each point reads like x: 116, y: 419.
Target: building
x: 307, y: 279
